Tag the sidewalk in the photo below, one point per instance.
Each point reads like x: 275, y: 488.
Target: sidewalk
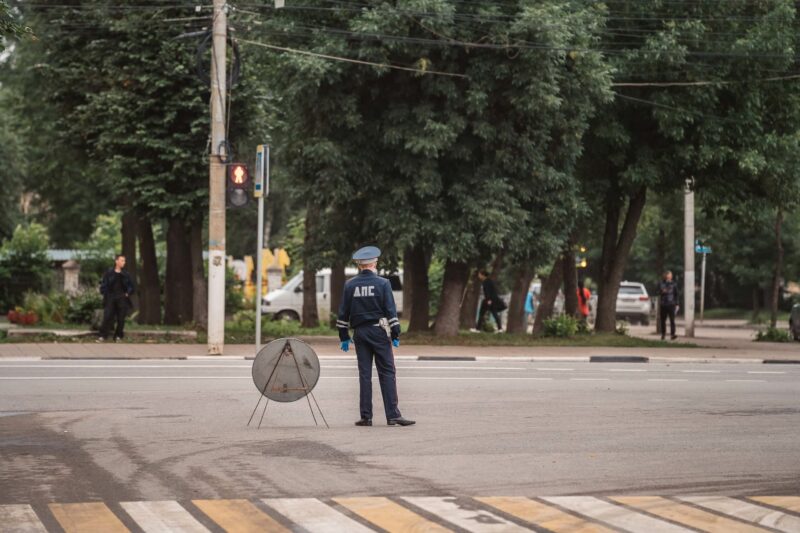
x: 329, y: 347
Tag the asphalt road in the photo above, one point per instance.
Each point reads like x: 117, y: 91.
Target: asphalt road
x: 76, y: 431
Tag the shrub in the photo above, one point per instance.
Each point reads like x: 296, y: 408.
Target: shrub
x: 82, y: 307
x: 623, y: 327
x: 24, y: 265
x: 234, y: 293
x: 773, y: 335
x: 50, y: 308
x: 561, y: 326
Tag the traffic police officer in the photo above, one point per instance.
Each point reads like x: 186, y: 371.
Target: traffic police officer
x: 367, y: 301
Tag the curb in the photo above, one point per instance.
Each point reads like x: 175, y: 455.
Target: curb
x: 619, y: 359
x: 442, y: 358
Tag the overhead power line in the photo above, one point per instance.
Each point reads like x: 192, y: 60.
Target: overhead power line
x: 350, y: 60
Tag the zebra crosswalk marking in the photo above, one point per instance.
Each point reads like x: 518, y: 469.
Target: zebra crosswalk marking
x: 239, y: 516
x: 19, y: 519
x: 543, y: 515
x: 747, y: 511
x: 161, y: 517
x: 791, y: 503
x: 466, y: 517
x: 562, y: 514
x: 615, y: 515
x: 314, y: 516
x: 684, y: 514
x: 390, y: 516
x: 82, y: 517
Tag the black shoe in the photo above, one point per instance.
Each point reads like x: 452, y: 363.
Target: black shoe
x: 364, y: 422
x: 674, y: 337
x: 401, y: 422
x: 662, y: 337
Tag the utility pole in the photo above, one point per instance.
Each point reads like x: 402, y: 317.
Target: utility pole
x: 688, y: 260
x: 703, y: 287
x: 216, y: 183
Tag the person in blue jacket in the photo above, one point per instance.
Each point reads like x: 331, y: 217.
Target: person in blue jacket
x: 368, y: 307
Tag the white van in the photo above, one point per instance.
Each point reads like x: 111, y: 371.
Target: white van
x: 286, y: 303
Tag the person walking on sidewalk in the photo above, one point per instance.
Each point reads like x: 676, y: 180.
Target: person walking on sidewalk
x: 668, y: 293
x: 491, y: 303
x: 116, y: 287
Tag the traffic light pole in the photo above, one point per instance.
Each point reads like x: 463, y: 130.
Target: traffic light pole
x: 216, y: 185
x: 261, y: 188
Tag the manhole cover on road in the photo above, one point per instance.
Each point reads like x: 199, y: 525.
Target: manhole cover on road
x: 286, y: 370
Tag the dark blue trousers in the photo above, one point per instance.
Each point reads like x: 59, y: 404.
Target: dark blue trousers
x: 372, y: 341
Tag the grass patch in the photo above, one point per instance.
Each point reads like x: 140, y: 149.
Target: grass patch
x: 612, y: 340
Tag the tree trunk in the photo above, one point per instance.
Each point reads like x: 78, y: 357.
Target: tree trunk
x: 515, y: 318
x: 178, y: 293
x: 149, y: 284
x: 129, y: 230
x: 408, y: 275
x: 199, y: 282
x: 616, y: 249
x: 455, y: 278
x: 337, y: 290
x: 415, y: 266
x: 776, y: 278
x: 756, y: 304
x: 547, y: 296
x: 469, y: 307
x: 310, y: 311
x: 570, y: 279
x: 310, y: 317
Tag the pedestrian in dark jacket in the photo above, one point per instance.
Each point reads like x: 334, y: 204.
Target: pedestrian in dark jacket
x: 491, y: 303
x: 668, y: 296
x: 116, y: 287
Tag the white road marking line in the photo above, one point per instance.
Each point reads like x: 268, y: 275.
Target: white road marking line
x: 156, y: 517
x: 185, y: 367
x: 763, y: 372
x: 451, y: 378
x: 667, y: 379
x: 751, y: 512
x: 626, y: 370
x: 590, y: 379
x: 701, y: 371
x: 556, y: 369
x: 314, y: 516
x: 745, y: 380
x: 616, y: 515
x: 20, y: 519
x: 470, y: 519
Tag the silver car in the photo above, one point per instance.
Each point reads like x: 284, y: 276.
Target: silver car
x: 633, y: 303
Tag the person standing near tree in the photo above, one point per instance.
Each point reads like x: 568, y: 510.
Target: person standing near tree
x: 491, y: 303
x: 668, y: 293
x: 584, y: 295
x: 116, y: 287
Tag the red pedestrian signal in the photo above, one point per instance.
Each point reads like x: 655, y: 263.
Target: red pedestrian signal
x: 238, y: 184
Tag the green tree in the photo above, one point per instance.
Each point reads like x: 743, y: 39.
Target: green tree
x: 664, y: 128
x: 465, y: 155
x: 24, y: 265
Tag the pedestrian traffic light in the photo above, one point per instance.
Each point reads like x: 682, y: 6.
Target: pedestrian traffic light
x: 238, y: 180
